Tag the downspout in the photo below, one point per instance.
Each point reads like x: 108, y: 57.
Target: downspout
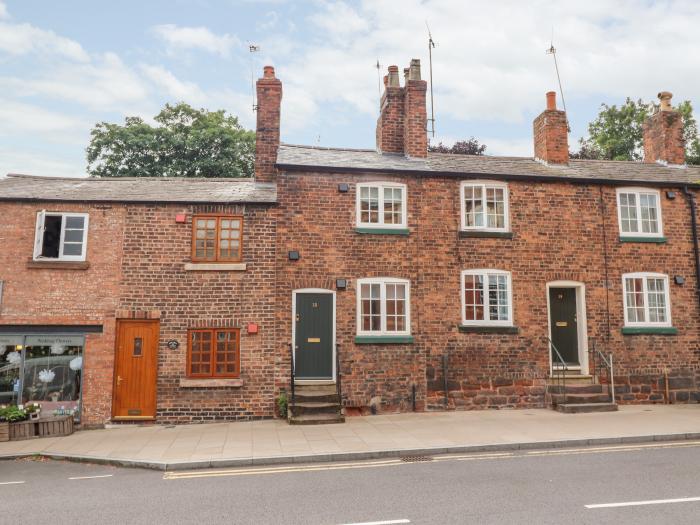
x: 694, y: 227
x: 605, y: 263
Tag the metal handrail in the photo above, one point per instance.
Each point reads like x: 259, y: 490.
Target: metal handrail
x: 292, y: 374
x: 561, y: 371
x: 608, y: 363
x: 337, y: 375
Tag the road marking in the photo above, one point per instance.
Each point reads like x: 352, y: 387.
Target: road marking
x: 638, y: 503
x: 92, y: 477
x: 390, y: 522
x: 397, y: 461
x: 11, y: 482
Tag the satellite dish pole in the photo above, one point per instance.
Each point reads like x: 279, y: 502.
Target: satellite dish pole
x: 552, y: 51
x: 431, y: 46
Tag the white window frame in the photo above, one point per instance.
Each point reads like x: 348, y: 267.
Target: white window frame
x: 381, y: 186
x: 667, y: 298
x: 39, y: 236
x: 383, y: 281
x: 637, y: 192
x: 484, y: 184
x: 485, y: 272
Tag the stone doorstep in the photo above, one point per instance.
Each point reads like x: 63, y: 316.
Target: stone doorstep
x: 355, y: 456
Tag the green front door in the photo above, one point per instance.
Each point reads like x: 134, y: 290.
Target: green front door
x: 313, y: 336
x: 564, y: 324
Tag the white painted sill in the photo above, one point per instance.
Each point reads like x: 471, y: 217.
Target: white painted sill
x: 187, y: 382
x: 215, y: 267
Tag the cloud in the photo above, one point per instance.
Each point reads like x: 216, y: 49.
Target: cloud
x: 36, y: 162
x: 175, y: 88
x: 22, y: 39
x: 3, y: 11
x: 180, y: 38
x: 17, y: 118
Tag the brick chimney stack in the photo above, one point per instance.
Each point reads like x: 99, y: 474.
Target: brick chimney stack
x: 415, y: 134
x: 390, y: 124
x: 267, y: 131
x: 551, y: 133
x: 663, y: 134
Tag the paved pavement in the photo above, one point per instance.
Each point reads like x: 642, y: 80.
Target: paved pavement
x: 624, y: 484
x: 261, y: 442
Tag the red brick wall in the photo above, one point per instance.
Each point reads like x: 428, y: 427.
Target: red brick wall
x: 550, y: 131
x: 155, y: 252
x: 559, y: 234
x: 267, y: 136
x: 60, y: 296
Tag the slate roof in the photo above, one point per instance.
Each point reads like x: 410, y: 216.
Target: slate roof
x: 138, y: 189
x: 619, y: 172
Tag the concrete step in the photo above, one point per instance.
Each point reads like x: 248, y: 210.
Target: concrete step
x: 569, y: 398
x: 316, y: 419
x: 571, y: 378
x: 315, y: 397
x: 324, y: 389
x: 314, y: 407
x: 579, y: 408
x: 577, y: 389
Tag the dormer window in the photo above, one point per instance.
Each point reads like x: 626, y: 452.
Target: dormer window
x: 61, y: 236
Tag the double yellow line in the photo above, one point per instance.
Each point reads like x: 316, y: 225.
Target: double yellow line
x: 254, y: 471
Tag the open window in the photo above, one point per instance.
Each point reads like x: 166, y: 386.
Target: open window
x: 61, y: 236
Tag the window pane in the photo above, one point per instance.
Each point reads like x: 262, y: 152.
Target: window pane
x: 634, y: 300
x: 473, y: 297
x: 656, y: 300
x: 370, y: 313
x: 628, y: 212
x: 75, y: 223
x: 473, y: 206
x: 498, y: 297
x: 205, y: 234
x: 72, y: 249
x: 495, y: 207
x: 229, y: 250
x: 649, y: 213
x: 392, y: 205
x: 200, y: 352
x: 395, y: 307
x: 51, y: 241
x: 73, y: 236
x: 369, y: 205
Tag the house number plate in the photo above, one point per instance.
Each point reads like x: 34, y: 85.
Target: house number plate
x: 562, y: 323
x: 314, y: 340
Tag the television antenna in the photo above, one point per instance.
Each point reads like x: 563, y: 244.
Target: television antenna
x: 431, y: 46
x: 552, y: 51
x: 252, y: 49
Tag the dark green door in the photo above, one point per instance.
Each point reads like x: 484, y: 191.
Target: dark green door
x: 564, y: 325
x: 313, y: 336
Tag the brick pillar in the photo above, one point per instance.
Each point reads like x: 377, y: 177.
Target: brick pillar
x: 390, y: 124
x: 415, y: 136
x: 267, y: 131
x: 663, y: 134
x: 551, y: 133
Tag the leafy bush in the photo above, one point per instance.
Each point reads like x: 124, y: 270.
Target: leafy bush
x: 282, y: 404
x: 13, y: 414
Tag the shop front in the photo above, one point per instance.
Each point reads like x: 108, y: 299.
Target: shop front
x: 44, y: 369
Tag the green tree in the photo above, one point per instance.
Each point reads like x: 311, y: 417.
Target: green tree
x: 186, y: 142
x: 470, y: 146
x: 616, y: 133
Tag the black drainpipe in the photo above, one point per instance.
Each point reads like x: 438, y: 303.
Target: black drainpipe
x: 694, y: 226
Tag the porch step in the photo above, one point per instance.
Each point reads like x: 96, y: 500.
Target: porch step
x: 316, y: 419
x: 579, y: 408
x: 579, y: 398
x: 315, y: 404
x: 576, y: 388
x: 573, y: 378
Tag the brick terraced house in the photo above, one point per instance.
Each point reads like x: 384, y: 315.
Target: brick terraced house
x: 138, y: 299
x: 425, y: 280
x: 390, y: 279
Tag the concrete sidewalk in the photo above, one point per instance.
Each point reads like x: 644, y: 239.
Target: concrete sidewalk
x: 268, y: 442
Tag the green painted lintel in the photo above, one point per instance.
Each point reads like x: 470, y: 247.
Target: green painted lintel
x: 658, y: 330
x: 383, y: 231
x: 383, y: 339
x: 654, y: 240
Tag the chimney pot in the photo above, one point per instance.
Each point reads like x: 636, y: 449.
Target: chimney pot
x: 551, y: 133
x: 406, y: 72
x: 268, y: 72
x: 551, y: 100
x: 665, y: 98
x: 414, y: 70
x: 394, y: 76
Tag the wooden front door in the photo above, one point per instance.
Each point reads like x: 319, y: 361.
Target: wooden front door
x: 313, y: 336
x: 564, y: 325
x: 135, y: 370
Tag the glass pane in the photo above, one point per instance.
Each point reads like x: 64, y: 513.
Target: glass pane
x: 75, y: 223
x: 634, y: 300
x: 72, y: 249
x: 10, y: 361
x: 73, y: 236
x: 473, y: 297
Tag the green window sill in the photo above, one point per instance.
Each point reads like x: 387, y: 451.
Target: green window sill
x: 383, y: 339
x: 383, y: 231
x: 467, y: 234
x: 658, y: 330
x: 654, y: 240
x: 476, y: 329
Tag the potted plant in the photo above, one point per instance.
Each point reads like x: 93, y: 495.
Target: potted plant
x: 33, y: 410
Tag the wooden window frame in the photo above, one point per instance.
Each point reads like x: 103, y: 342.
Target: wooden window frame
x: 638, y: 192
x: 381, y: 186
x: 485, y: 185
x: 645, y: 276
x: 217, y: 258
x: 485, y: 273
x: 383, y: 282
x: 212, y: 358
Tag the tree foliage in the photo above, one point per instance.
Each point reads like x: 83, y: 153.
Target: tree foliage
x: 185, y: 142
x: 470, y: 146
x: 616, y: 133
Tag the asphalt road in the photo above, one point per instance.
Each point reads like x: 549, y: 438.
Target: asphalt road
x: 557, y: 486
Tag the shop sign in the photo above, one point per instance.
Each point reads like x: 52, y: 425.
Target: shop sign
x: 49, y: 340
x: 11, y: 340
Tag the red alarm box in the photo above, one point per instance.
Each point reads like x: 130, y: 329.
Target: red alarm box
x: 252, y: 328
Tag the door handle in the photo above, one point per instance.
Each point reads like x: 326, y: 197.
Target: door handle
x: 119, y: 380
